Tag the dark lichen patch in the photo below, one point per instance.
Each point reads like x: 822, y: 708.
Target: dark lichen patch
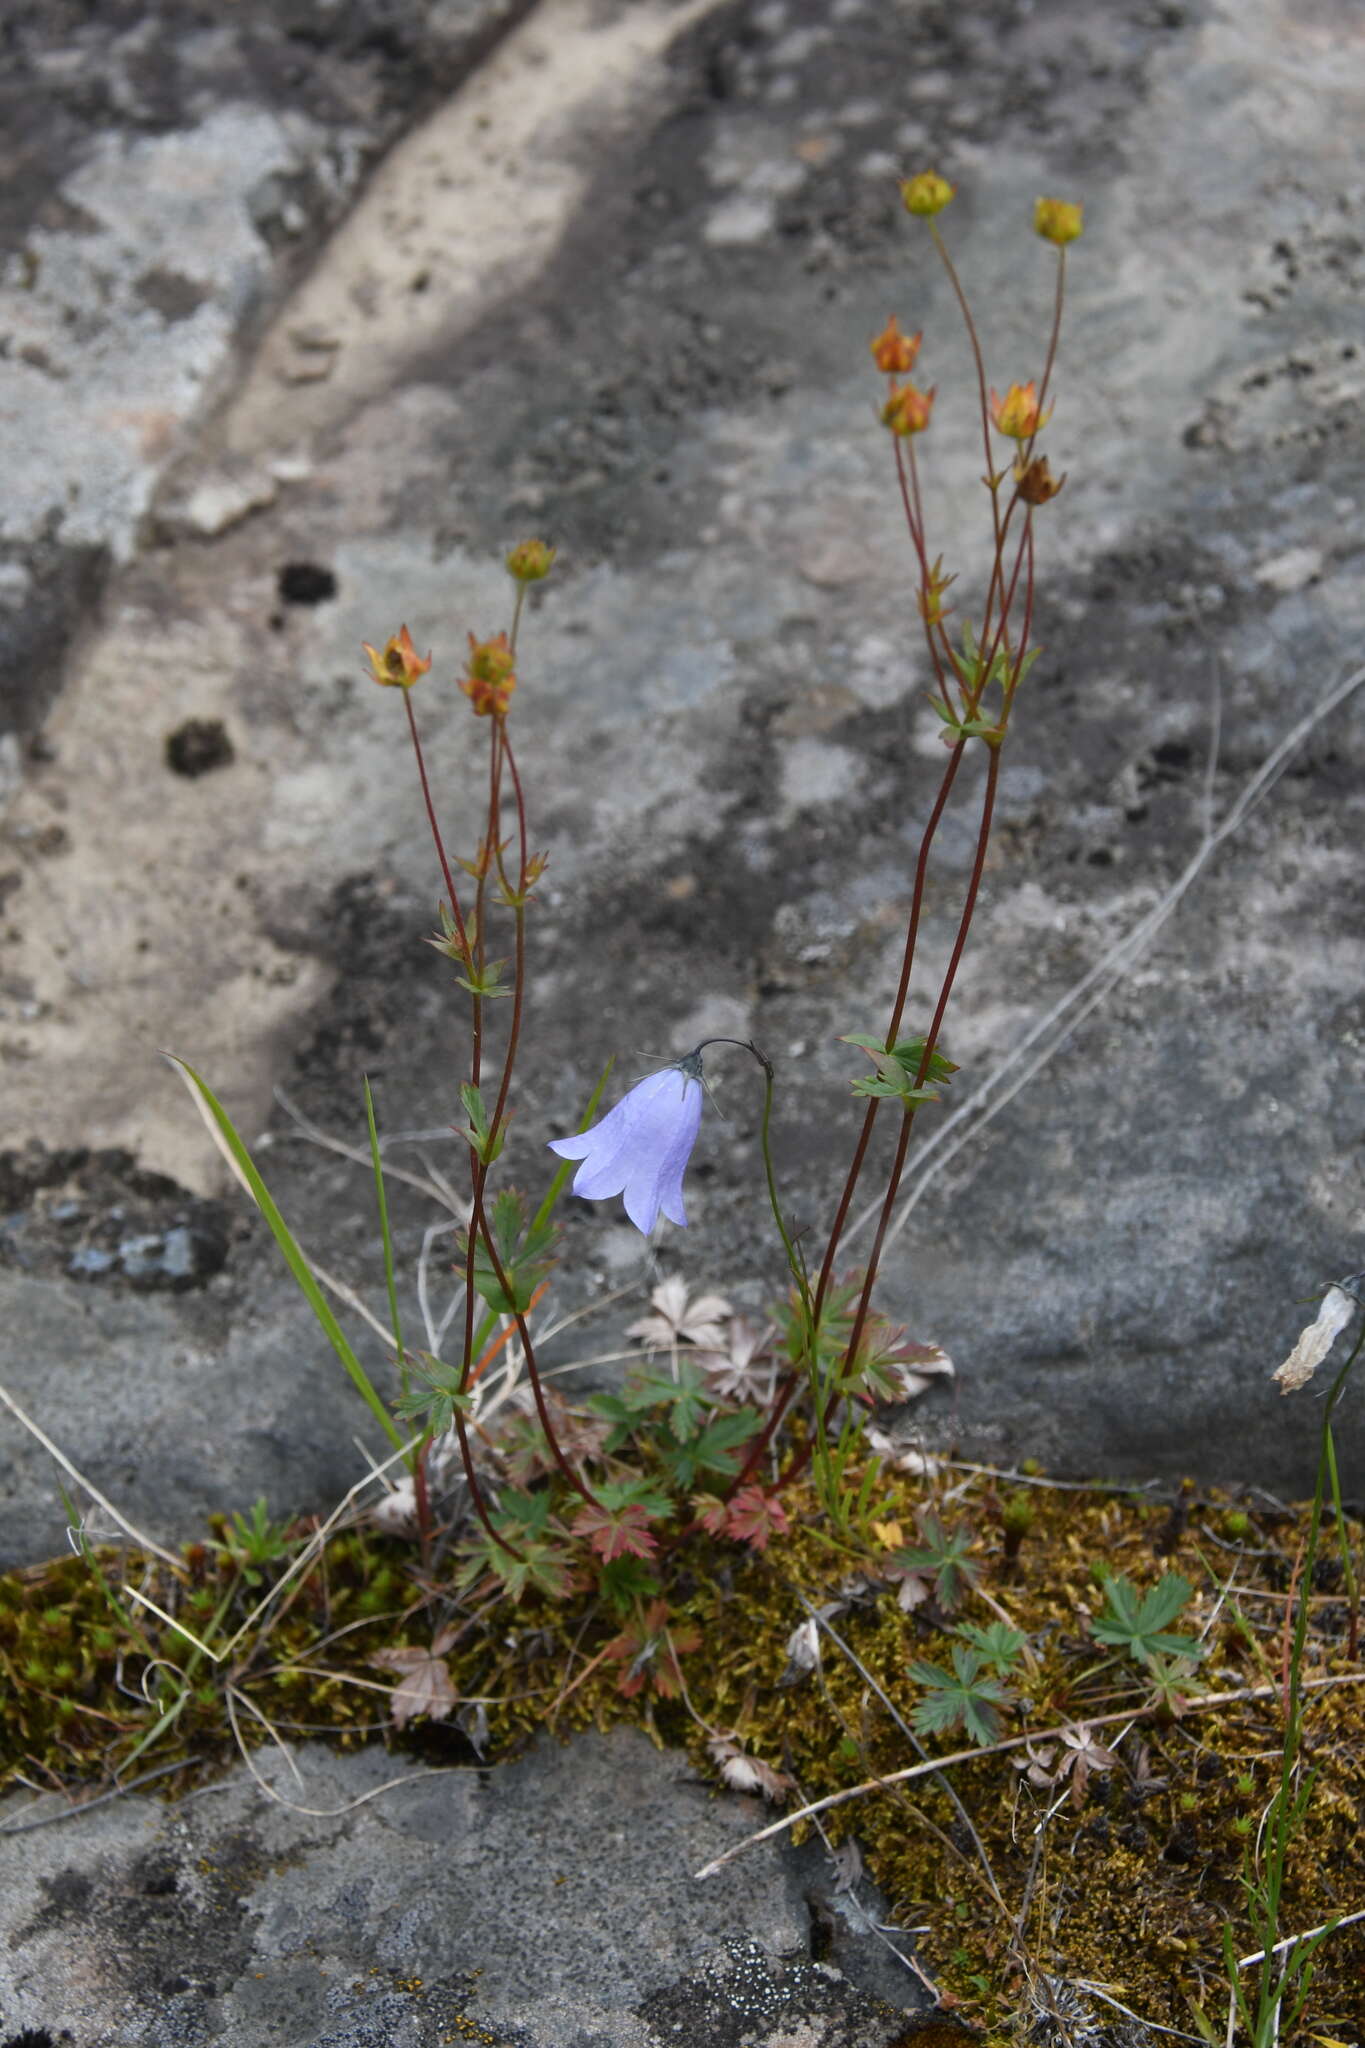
x: 198, y: 746
x: 1032, y: 1872
x: 97, y: 1216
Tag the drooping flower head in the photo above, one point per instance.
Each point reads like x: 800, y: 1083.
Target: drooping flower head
x: 640, y: 1149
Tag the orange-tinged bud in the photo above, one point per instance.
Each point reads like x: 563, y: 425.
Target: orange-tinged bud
x: 907, y: 409
x: 491, y: 676
x: 1035, y: 481
x: 926, y: 194
x: 530, y: 560
x: 400, y: 665
x: 1017, y: 414
x: 895, y: 352
x: 1058, y: 220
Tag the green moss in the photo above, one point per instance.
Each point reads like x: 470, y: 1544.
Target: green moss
x: 1138, y: 1868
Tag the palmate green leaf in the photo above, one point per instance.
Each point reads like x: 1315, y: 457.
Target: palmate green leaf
x: 686, y: 1398
x: 945, y: 1553
x: 486, y: 983
x: 897, y: 1068
x: 435, y: 1403
x: 542, y: 1562
x: 626, y: 1581
x: 1140, y: 1625
x: 221, y: 1125
x: 998, y: 1646
x: 476, y: 1131
x: 713, y: 1450
x: 536, y: 1563
x: 960, y: 1698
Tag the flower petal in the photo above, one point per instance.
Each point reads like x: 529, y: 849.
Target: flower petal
x: 641, y: 1147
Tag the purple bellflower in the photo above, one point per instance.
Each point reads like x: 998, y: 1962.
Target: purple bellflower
x: 640, y: 1149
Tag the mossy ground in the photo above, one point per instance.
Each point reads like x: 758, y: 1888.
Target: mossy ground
x: 1126, y: 1885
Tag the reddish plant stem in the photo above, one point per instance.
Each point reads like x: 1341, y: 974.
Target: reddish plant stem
x: 488, y: 852
x: 420, y: 1492
x: 422, y: 1499
x: 479, y: 1225
x: 521, y: 806
x: 500, y: 1275
x: 980, y: 361
x: 519, y: 946
x: 1059, y: 300
x: 434, y: 824
x: 760, y: 1445
x: 476, y: 1494
x: 907, y: 478
x: 897, y: 1012
x: 907, y: 1121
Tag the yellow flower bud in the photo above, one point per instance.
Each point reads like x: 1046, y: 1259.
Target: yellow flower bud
x: 1057, y: 220
x: 491, y: 677
x: 893, y: 351
x: 926, y: 194
x: 907, y: 410
x: 1017, y: 413
x: 530, y: 560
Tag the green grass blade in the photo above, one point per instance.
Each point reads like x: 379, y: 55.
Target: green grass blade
x: 381, y: 1201
x: 219, y: 1121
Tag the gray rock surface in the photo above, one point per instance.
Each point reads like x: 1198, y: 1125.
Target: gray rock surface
x: 167, y: 171
x: 546, y: 1904
x: 618, y: 288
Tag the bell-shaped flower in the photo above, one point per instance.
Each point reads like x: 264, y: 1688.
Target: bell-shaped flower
x: 640, y: 1149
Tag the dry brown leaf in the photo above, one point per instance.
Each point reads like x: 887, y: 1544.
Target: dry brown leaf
x: 424, y: 1688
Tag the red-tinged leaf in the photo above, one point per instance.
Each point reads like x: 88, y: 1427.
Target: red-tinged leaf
x: 616, y: 1532
x: 650, y: 1649
x: 756, y: 1516
x: 711, y: 1512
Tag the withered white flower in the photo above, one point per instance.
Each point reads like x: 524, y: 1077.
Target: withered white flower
x: 904, y: 1456
x: 697, y: 1321
x: 744, y: 1773
x: 744, y: 1366
x: 917, y: 1366
x: 1334, y: 1313
x: 803, y: 1644
x: 395, y: 1514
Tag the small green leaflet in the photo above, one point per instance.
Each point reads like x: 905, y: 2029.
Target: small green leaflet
x: 898, y: 1068
x: 1141, y: 1626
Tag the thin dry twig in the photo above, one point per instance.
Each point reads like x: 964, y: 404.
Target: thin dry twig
x: 78, y: 1806
x: 1009, y: 1742
x: 143, y: 1542
x: 434, y: 1185
x: 910, y: 1736
x: 1292, y: 1940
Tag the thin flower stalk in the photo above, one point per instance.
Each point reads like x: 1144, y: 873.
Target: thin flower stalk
x: 500, y: 751
x: 1012, y: 577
